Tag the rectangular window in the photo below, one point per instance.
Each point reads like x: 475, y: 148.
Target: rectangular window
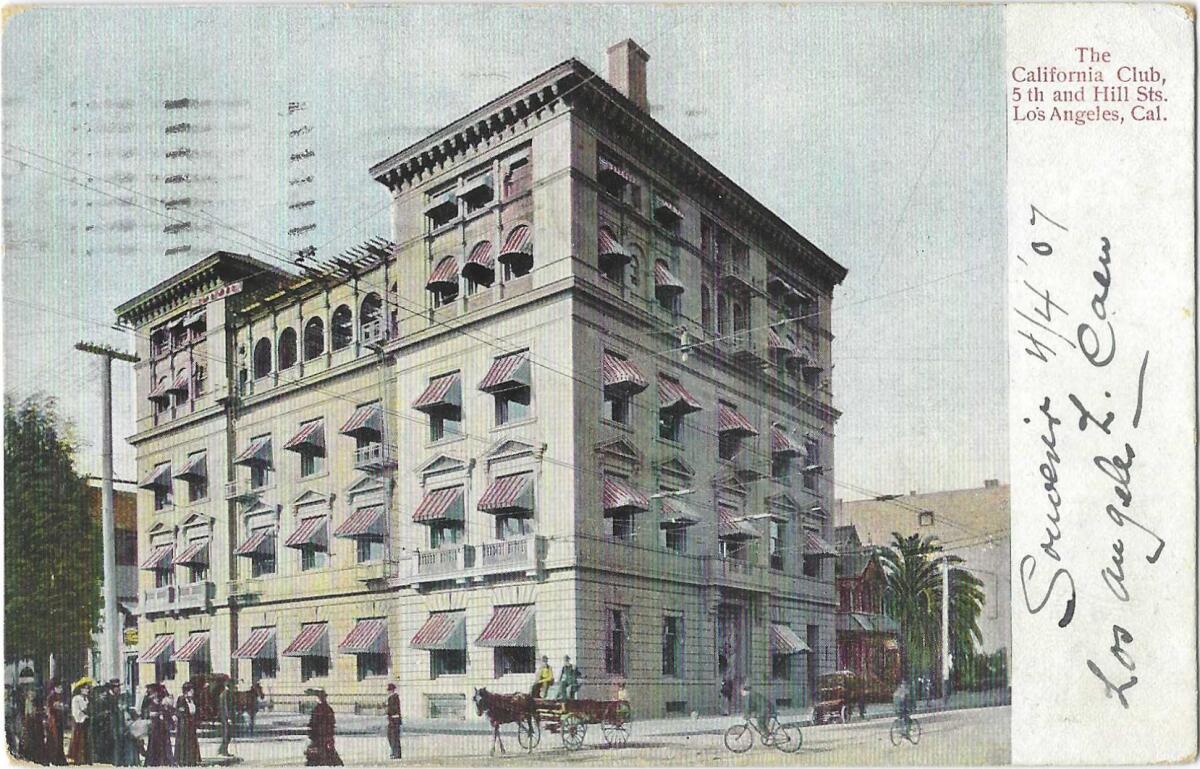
x: 734, y: 550
x: 513, y: 526
x: 164, y: 577
x: 164, y: 671
x: 781, y: 667
x: 126, y: 542
x: 198, y: 490
x: 197, y: 574
x: 447, y: 662
x: 513, y: 405
x: 313, y: 667
x: 675, y: 539
x: 614, y: 650
x: 312, y: 558
x: 260, y: 476
x: 812, y: 566
x: 311, y: 464
x: 513, y: 659
x: 616, y: 408
x: 670, y: 425
x: 446, y: 423
x: 672, y: 646
x: 517, y: 177
x: 925, y: 518
x: 781, y: 466
x: 776, y: 544
x: 372, y: 665
x: 621, y: 526
x: 370, y: 549
x: 264, y: 564
x: 264, y: 667
x: 728, y: 446
x: 445, y: 534
x: 200, y: 666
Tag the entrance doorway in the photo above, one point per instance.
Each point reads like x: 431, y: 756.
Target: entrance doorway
x: 733, y: 652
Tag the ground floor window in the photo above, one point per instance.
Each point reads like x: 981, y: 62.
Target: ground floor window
x: 164, y: 671
x: 313, y: 667
x: 372, y: 665
x: 513, y: 659
x: 614, y: 649
x: 264, y: 667
x: 200, y: 666
x: 447, y: 662
x: 672, y: 646
x: 781, y: 667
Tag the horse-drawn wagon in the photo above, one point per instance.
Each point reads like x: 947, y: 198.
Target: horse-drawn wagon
x: 567, y: 718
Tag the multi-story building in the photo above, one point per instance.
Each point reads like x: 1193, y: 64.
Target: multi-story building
x: 578, y: 405
x: 867, y: 638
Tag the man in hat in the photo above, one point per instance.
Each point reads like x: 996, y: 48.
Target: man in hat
x: 394, y: 720
x: 543, y: 680
x: 226, y: 711
x: 568, y: 680
x: 321, y: 750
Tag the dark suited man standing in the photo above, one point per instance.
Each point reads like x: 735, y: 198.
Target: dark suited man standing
x: 394, y: 720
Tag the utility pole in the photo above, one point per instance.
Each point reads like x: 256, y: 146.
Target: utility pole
x: 112, y: 649
x: 947, y: 659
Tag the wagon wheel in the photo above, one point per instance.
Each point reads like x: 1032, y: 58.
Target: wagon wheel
x: 573, y: 731
x: 529, y: 734
x: 616, y: 734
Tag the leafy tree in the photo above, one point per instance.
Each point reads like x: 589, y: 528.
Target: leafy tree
x: 52, y: 542
x: 913, y: 597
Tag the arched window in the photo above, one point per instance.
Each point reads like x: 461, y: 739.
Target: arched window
x: 516, y: 253
x: 342, y: 328
x: 287, y: 348
x: 262, y: 358
x: 443, y: 281
x: 633, y: 271
x: 370, y: 318
x: 314, y: 338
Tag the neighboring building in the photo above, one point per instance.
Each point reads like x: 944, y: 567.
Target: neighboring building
x: 867, y: 639
x: 973, y: 524
x: 445, y: 458
x: 126, y: 541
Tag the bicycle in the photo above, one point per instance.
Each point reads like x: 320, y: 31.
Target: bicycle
x: 905, y: 728
x: 783, y: 737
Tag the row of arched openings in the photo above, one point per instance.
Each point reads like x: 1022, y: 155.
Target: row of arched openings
x: 341, y: 335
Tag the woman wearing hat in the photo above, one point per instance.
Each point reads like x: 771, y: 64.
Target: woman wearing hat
x: 187, y: 746
x: 321, y: 750
x: 79, y: 753
x: 158, y: 741
x: 35, y: 731
x: 56, y: 716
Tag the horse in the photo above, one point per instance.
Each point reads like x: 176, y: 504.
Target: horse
x: 247, y: 702
x: 504, y: 709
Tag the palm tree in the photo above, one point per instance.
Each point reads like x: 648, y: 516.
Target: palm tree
x: 913, y: 597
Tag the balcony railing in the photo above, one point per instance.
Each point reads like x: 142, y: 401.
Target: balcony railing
x: 157, y: 600
x: 743, y: 346
x: 444, y: 563
x: 375, y: 457
x: 374, y: 332
x: 509, y: 555
x: 240, y: 490
x: 737, y: 271
x: 471, y: 562
x: 194, y: 596
x: 736, y: 573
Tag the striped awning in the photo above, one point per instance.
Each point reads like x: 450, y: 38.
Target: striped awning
x: 613, y: 169
x: 443, y: 392
x: 783, y: 640
x: 676, y: 514
x: 733, y: 526
x: 815, y: 545
x: 509, y: 626
x: 672, y: 396
x: 163, y: 646
x: 369, y: 636
x: 518, y: 243
x: 619, y: 496
x: 309, y: 439
x: 160, y: 391
x: 480, y: 259
x: 179, y: 383
x: 443, y: 630
x: 610, y: 249
x: 365, y: 522
x: 259, y: 543
x: 195, y: 647
x: 621, y: 376
x: 311, y: 533
x: 195, y: 468
x: 665, y: 210
x: 730, y: 420
x: 195, y: 554
x: 444, y: 275
x: 665, y: 282
x: 775, y: 345
x: 161, y: 558
x: 313, y: 641
x: 160, y: 476
x: 507, y: 372
x: 366, y: 422
x: 476, y: 186
x: 782, y: 444
x: 509, y: 494
x: 194, y: 317
x: 260, y: 645
x: 440, y: 505
x: 443, y: 202
x: 257, y: 453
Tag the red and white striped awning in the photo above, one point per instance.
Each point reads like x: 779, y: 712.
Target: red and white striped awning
x: 443, y: 630
x: 195, y: 647
x: 159, y: 476
x: 195, y: 469
x: 365, y: 522
x: 444, y: 275
x: 443, y: 392
x: 366, y: 422
x: 195, y: 554
x: 259, y: 543
x: 518, y: 243
x: 163, y: 646
x: 730, y: 420
x: 611, y: 167
x: 610, y: 249
x: 775, y: 345
x: 676, y: 514
x: 160, y: 391
x: 313, y: 641
x: 782, y: 443
x: 816, y: 545
x: 257, y: 453
x: 180, y: 381
x: 732, y: 526
x: 440, y: 505
x: 507, y: 372
x: 160, y: 558
x: 369, y: 636
x: 311, y: 533
x: 621, y: 376
x: 672, y: 396
x: 783, y: 640
x: 619, y: 496
x: 309, y: 439
x: 260, y: 645
x: 508, y: 494
x: 509, y: 626
x: 666, y: 210
x: 665, y: 282
x: 480, y: 258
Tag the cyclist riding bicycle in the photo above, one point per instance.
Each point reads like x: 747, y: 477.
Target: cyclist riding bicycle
x: 903, y: 703
x: 757, y: 707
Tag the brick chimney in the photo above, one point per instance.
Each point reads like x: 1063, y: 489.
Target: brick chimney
x: 627, y: 71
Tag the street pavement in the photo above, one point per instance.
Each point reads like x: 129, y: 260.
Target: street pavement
x: 974, y: 736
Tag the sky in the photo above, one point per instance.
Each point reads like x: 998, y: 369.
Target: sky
x: 876, y: 131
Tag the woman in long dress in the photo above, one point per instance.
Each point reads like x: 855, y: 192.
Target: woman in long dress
x: 35, y: 731
x: 56, y: 716
x: 158, y: 741
x: 79, y: 753
x: 321, y: 750
x: 187, y: 746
